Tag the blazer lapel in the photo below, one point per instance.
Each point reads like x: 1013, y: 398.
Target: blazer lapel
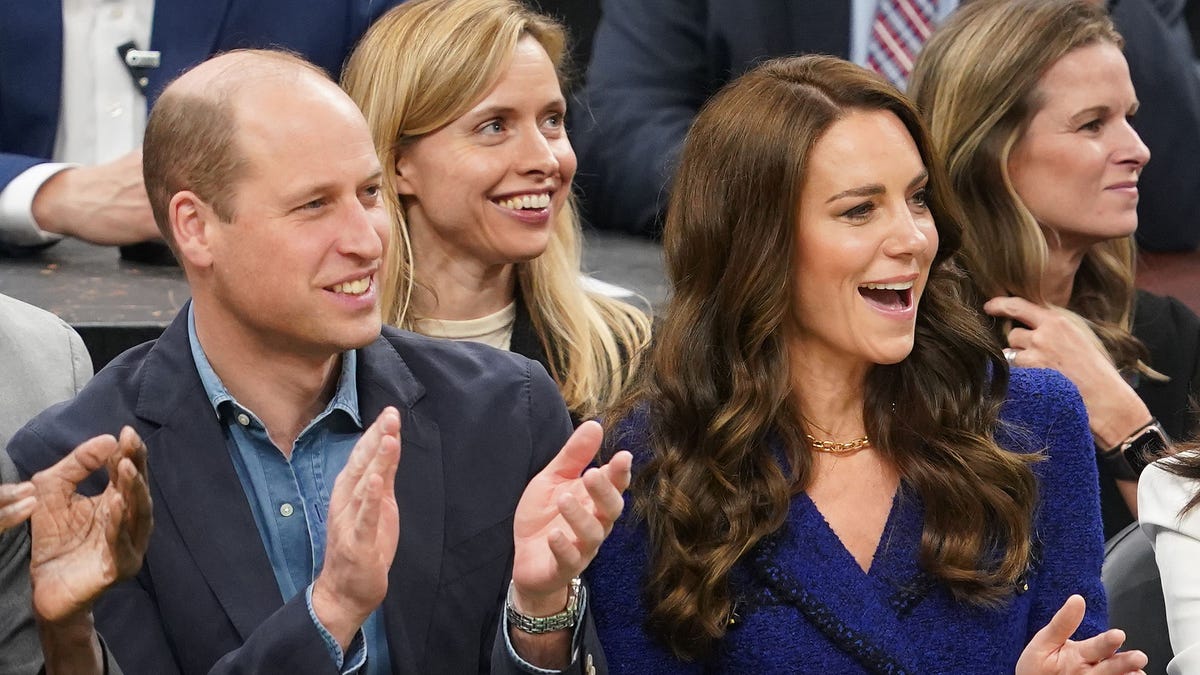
x: 806, y: 565
x: 196, y: 484
x: 185, y: 33
x: 384, y: 379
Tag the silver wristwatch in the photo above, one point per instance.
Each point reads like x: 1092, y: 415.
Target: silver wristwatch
x: 536, y: 625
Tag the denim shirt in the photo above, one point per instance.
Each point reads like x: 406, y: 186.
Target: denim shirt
x: 290, y: 497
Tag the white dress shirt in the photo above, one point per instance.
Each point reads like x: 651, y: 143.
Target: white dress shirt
x: 102, y: 114
x: 1176, y: 543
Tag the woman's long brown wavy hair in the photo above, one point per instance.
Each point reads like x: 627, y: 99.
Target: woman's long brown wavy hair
x: 716, y: 386
x: 976, y: 83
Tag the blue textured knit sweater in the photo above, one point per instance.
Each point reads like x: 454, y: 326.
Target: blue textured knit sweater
x: 805, y: 606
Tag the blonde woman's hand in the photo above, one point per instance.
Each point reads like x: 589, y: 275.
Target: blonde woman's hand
x: 1053, y: 652
x: 1053, y: 337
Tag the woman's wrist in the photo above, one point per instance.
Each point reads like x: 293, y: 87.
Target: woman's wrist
x: 1117, y: 418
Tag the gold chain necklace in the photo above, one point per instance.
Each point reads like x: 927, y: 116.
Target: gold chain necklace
x: 839, y: 448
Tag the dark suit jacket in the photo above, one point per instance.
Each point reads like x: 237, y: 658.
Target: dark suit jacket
x: 185, y: 31
x: 476, y: 423
x: 655, y: 62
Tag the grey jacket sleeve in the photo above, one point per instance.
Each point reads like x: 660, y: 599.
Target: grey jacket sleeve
x: 21, y: 652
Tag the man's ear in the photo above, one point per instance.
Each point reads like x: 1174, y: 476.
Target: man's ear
x: 192, y: 222
x: 404, y: 170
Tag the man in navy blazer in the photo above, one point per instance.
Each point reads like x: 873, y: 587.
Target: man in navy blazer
x: 278, y: 547
x: 184, y: 32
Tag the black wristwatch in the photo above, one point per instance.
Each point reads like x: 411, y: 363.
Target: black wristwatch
x: 1130, y: 456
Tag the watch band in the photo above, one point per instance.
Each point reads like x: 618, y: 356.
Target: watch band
x: 536, y: 625
x: 1138, y: 450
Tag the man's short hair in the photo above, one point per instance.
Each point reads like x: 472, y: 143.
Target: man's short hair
x: 191, y: 137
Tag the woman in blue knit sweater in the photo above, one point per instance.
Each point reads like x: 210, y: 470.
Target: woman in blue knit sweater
x: 835, y: 471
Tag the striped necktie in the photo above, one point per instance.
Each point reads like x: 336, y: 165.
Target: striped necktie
x: 899, y: 30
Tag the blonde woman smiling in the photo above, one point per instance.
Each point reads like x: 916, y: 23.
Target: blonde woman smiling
x: 464, y: 100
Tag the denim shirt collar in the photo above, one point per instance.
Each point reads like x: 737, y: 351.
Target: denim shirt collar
x: 345, y: 397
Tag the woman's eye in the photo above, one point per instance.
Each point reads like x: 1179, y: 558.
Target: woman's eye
x: 493, y: 127
x: 921, y: 198
x: 1094, y: 125
x: 859, y: 212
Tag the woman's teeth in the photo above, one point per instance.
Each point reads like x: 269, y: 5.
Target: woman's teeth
x: 899, y: 286
x: 539, y: 201
x: 353, y: 287
x: 891, y: 296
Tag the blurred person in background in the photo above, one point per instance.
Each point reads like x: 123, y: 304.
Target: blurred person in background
x: 655, y: 62
x: 1031, y: 104
x: 78, y: 77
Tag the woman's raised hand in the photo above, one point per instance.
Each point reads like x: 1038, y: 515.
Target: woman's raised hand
x: 1053, y: 652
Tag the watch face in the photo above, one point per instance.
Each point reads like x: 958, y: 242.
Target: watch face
x: 1147, y: 447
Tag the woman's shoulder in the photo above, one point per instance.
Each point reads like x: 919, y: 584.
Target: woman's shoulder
x: 1162, y: 494
x: 1163, y: 317
x: 630, y: 431
x: 1040, y: 397
x: 1044, y: 414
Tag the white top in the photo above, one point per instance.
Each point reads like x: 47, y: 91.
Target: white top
x: 494, y: 330
x: 102, y: 114
x: 1176, y: 544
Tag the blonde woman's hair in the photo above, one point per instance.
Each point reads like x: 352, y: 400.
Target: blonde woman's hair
x: 976, y: 83
x: 423, y: 65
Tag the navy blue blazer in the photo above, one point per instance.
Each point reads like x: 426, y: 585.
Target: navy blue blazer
x: 655, y: 62
x: 476, y: 425
x: 185, y: 31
